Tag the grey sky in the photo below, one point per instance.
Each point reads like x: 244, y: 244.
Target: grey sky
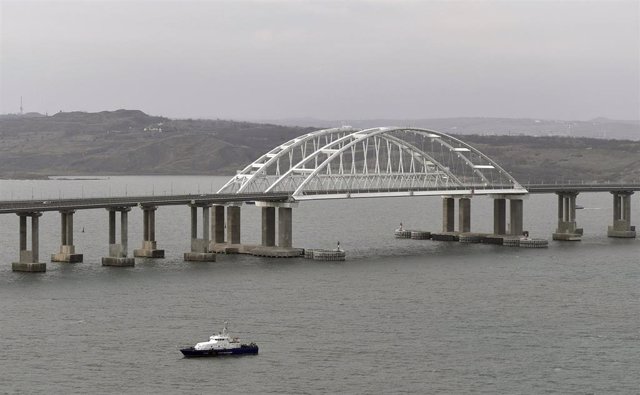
x: 324, y: 59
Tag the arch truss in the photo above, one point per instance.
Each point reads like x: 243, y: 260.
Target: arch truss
x: 387, y: 161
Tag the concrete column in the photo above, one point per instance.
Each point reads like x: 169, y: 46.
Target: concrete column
x: 285, y: 228
x: 217, y: 224
x: 626, y: 207
x: 118, y: 252
x: 464, y: 215
x: 67, y: 252
x: 69, y: 227
x: 28, y: 261
x: 499, y: 216
x: 233, y: 224
x: 572, y: 207
x: 205, y: 223
x: 448, y: 214
x: 35, y: 230
x: 23, y: 232
x: 149, y: 245
x: 622, y: 216
x: 63, y: 228
x: 268, y: 226
x: 567, y: 229
x: 515, y: 216
x: 145, y: 224
x: 124, y: 231
x: 201, y: 250
x: 560, y: 208
x: 151, y: 212
x: 112, y: 226
x: 194, y: 222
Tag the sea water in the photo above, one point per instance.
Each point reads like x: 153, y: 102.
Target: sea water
x: 398, y: 316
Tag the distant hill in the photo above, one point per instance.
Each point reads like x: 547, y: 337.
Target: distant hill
x: 132, y: 142
x: 597, y: 128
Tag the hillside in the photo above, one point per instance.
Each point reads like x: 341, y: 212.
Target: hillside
x: 132, y: 142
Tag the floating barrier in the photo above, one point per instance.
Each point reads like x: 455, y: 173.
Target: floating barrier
x: 470, y: 238
x: 511, y: 242
x: 402, y: 234
x: 328, y: 255
x: 445, y: 236
x: 534, y: 243
x: 420, y: 235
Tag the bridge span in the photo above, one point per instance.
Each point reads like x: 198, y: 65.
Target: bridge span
x: 337, y: 163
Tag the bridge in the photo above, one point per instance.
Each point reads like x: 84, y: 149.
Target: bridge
x: 336, y: 163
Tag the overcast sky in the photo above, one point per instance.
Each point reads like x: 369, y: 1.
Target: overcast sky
x: 324, y: 59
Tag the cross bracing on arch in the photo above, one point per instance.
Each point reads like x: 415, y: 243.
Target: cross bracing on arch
x: 386, y: 161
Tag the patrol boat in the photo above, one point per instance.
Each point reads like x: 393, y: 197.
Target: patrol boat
x: 220, y: 344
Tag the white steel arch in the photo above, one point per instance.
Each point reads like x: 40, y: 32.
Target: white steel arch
x: 390, y: 161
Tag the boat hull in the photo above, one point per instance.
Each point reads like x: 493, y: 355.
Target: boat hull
x: 191, y: 352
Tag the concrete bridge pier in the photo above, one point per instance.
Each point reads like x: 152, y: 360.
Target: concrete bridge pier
x: 516, y: 212
x: 567, y: 229
x: 448, y: 214
x: 233, y: 224
x: 217, y: 223
x: 464, y: 214
x: 200, y: 246
x: 118, y: 252
x: 29, y: 258
x: 67, y: 251
x: 499, y: 216
x: 149, y: 246
x: 622, y: 227
x: 284, y: 232
x: 268, y: 226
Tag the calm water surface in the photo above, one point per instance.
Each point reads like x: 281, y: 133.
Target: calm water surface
x: 399, y: 316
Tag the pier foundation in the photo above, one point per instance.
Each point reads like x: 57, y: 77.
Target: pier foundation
x: 118, y: 251
x: 622, y: 227
x: 28, y: 261
x: 200, y: 246
x: 67, y: 251
x: 567, y: 228
x: 284, y: 231
x: 149, y: 245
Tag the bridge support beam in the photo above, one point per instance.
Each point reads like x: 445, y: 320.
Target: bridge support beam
x: 285, y: 227
x: 622, y: 227
x: 499, y: 216
x: 200, y: 246
x: 29, y: 258
x: 268, y: 226
x: 515, y: 216
x: 448, y: 214
x: 464, y: 215
x: 233, y: 224
x: 567, y: 229
x: 217, y: 224
x: 149, y: 245
x: 118, y: 252
x: 67, y: 251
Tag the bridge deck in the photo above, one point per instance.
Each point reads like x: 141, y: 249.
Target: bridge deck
x: 553, y: 188
x: 17, y: 206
